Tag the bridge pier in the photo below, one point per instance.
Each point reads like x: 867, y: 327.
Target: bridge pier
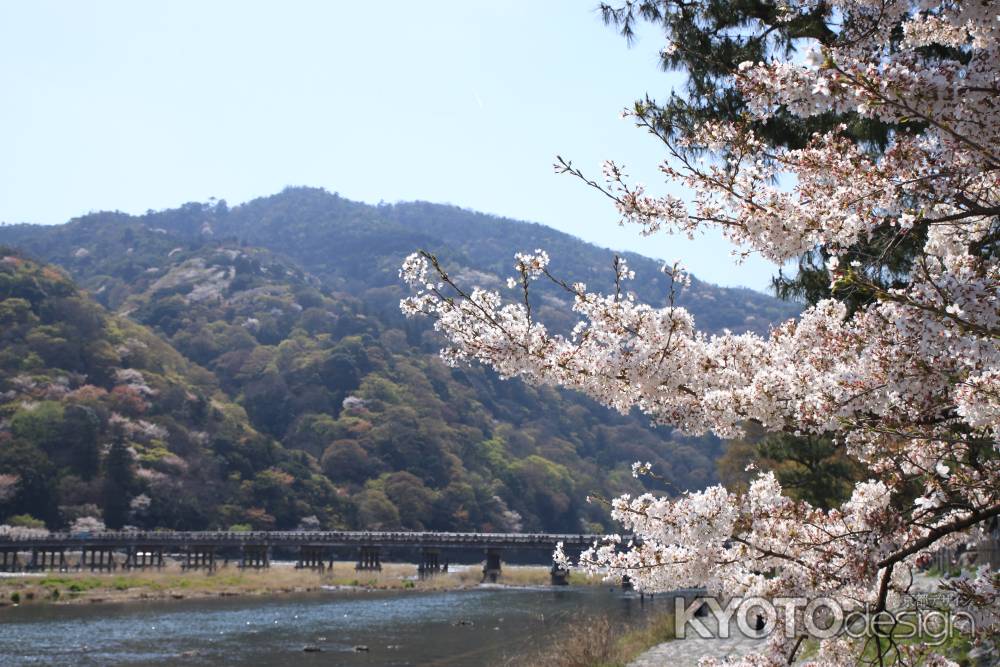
x: 311, y: 557
x: 48, y: 558
x: 140, y: 558
x: 491, y: 568
x: 559, y: 575
x: 200, y: 557
x: 430, y: 562
x: 257, y: 556
x: 369, y: 559
x: 101, y: 558
x: 9, y: 560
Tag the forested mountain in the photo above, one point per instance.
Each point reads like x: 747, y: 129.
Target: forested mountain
x: 98, y: 415
x: 285, y: 310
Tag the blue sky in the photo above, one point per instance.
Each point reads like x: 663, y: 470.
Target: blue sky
x: 147, y: 105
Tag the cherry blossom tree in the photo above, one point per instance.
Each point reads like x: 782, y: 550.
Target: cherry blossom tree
x: 909, y: 383
x: 8, y: 486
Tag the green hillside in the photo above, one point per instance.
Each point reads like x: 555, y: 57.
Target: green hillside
x: 289, y: 306
x: 101, y: 417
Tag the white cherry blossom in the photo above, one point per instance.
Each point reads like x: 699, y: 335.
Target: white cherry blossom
x: 909, y: 384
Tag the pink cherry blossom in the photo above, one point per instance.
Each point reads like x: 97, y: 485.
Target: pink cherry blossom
x: 909, y: 384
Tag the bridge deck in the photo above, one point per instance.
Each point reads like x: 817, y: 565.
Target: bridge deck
x: 297, y: 538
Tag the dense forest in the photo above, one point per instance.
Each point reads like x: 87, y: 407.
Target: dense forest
x: 102, y: 417
x: 249, y: 365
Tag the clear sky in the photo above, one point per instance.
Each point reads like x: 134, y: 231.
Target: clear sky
x: 147, y: 105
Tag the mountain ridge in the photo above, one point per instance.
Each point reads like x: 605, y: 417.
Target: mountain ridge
x: 290, y: 303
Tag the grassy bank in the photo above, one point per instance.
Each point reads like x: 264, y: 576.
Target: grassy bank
x: 597, y: 642
x: 173, y: 583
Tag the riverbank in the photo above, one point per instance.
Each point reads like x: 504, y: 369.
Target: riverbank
x: 172, y: 583
x: 601, y: 642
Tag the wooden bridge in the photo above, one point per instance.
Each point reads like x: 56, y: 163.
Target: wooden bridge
x: 109, y: 550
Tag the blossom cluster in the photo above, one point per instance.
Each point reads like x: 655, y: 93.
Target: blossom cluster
x: 909, y: 384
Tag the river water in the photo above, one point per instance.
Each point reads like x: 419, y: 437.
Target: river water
x: 465, y: 628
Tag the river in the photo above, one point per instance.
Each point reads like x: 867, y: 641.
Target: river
x: 462, y: 628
